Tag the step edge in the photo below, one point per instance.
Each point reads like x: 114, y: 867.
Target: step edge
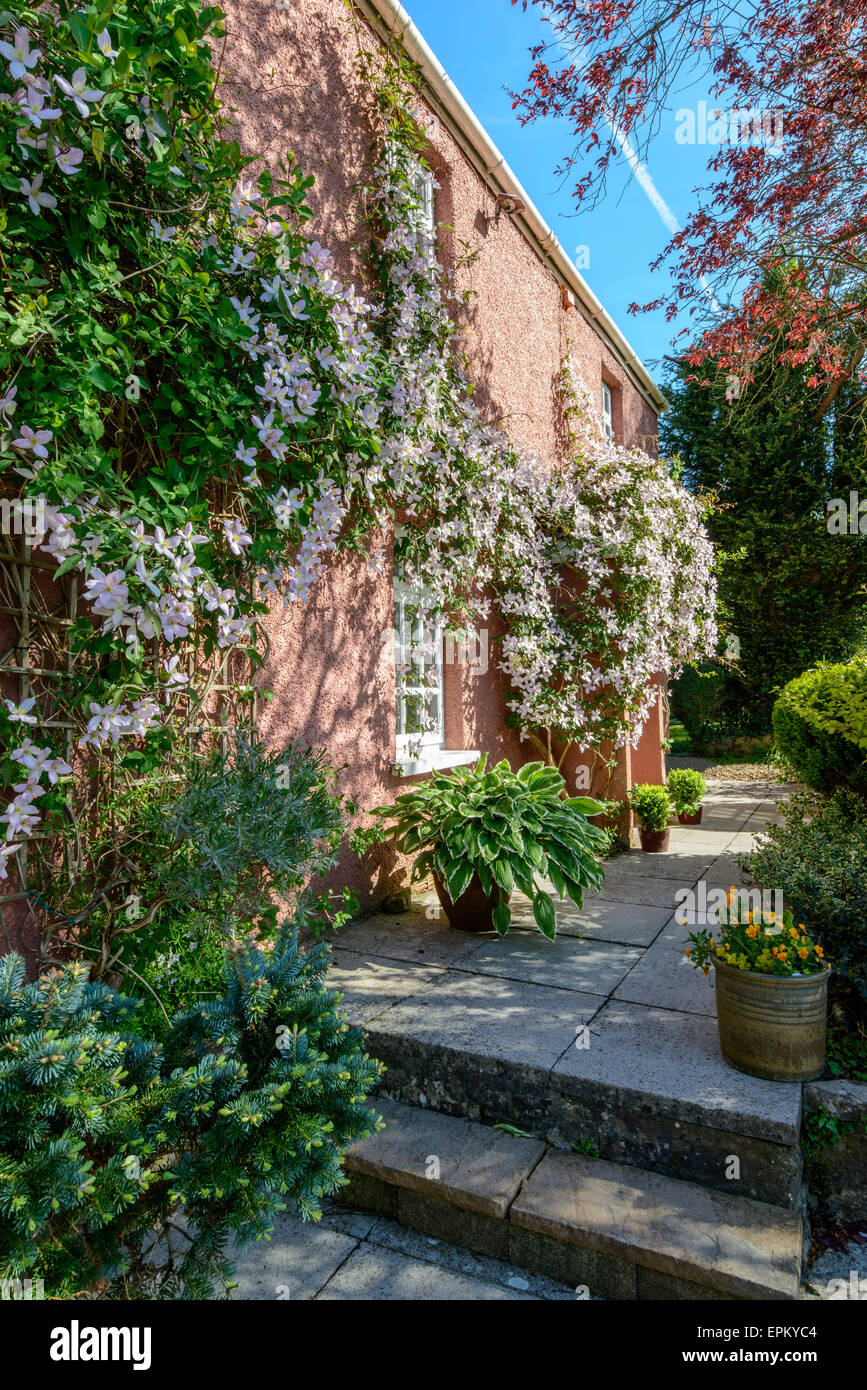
x: 647, y: 1257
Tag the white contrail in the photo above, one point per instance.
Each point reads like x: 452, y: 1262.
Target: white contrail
x: 642, y: 174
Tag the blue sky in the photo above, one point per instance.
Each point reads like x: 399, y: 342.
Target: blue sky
x: 483, y: 45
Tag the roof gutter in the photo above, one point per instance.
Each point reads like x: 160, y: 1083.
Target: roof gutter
x: 492, y: 164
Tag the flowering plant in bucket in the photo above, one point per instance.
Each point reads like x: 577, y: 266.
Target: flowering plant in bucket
x: 771, y: 983
x: 765, y: 942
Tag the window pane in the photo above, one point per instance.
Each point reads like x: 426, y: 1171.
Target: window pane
x: 418, y: 666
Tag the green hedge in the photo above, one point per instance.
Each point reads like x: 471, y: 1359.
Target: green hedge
x: 818, y: 859
x: 820, y: 726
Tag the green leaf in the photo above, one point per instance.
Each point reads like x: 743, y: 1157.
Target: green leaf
x: 458, y: 880
x: 502, y: 871
x: 546, y: 917
x: 585, y: 804
x: 502, y: 918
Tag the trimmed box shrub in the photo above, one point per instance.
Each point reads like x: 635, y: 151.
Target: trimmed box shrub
x: 820, y: 726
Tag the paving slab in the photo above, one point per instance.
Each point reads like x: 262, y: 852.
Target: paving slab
x: 500, y: 1020
x: 447, y: 1159
x: 376, y: 1274
x: 732, y: 1244
x: 370, y: 986
x: 469, y: 1262
x: 295, y: 1264
x: 671, y: 1060
x: 629, y: 924
x: 725, y: 872
x: 640, y: 891
x: 677, y: 862
x: 742, y: 843
x: 664, y: 978
x: 699, y: 838
x: 408, y: 936
x: 593, y: 967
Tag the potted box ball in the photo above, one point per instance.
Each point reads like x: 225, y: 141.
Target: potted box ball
x: 771, y: 993
x: 482, y: 833
x: 687, y: 789
x: 651, y: 806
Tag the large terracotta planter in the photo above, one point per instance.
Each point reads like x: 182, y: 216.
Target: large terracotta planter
x: 653, y: 841
x: 772, y: 1026
x: 473, y: 909
x: 684, y: 819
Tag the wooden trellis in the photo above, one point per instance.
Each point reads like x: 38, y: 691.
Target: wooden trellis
x: 37, y: 610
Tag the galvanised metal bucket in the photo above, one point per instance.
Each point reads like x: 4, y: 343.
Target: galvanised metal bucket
x: 772, y: 1026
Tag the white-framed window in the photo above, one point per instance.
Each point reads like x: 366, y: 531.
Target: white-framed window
x: 422, y: 650
x: 418, y: 661
x: 607, y: 413
x: 424, y: 182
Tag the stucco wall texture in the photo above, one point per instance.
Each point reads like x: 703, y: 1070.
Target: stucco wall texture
x: 290, y: 76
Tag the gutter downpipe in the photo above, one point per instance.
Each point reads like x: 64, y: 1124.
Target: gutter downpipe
x: 400, y: 26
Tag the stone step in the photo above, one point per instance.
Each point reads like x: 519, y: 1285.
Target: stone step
x: 650, y: 1089
x: 607, y: 1228
x: 604, y: 1041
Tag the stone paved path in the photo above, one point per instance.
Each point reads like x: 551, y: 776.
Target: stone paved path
x: 617, y: 968
x: 356, y: 1255
x: 513, y: 1004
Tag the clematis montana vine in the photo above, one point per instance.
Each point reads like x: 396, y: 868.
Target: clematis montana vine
x: 601, y: 567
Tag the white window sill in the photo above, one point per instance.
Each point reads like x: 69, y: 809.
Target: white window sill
x: 434, y: 760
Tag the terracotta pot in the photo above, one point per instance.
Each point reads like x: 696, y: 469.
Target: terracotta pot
x: 653, y: 841
x: 690, y: 820
x: 772, y: 1026
x: 473, y: 909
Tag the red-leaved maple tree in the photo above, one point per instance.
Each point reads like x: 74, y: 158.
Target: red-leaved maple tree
x: 773, y: 257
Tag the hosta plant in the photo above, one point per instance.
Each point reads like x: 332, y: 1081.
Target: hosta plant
x: 512, y: 829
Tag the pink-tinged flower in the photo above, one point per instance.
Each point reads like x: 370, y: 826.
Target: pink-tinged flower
x: 38, y: 200
x: 104, y: 43
x: 29, y: 754
x: 245, y: 456
x: 8, y: 405
x: 20, y: 816
x: 31, y: 785
x: 245, y: 311
x: 34, y: 440
x: 57, y: 768
x: 32, y: 105
x: 175, y: 679
x: 79, y: 91
x: 69, y: 161
x: 19, y: 55
x: 20, y: 714
x: 237, y: 536
x: 162, y: 233
x: 176, y: 617
x: 6, y: 852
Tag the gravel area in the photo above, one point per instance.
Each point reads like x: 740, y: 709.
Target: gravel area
x: 728, y: 772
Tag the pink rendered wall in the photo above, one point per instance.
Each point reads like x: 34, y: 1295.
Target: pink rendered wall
x: 290, y: 77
